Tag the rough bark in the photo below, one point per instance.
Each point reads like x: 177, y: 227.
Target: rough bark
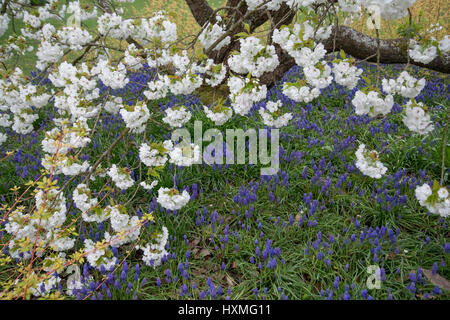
x: 361, y: 46
x: 283, y: 16
x: 4, y: 7
x: 286, y: 63
x: 353, y: 42
x: 201, y: 10
x: 105, y: 5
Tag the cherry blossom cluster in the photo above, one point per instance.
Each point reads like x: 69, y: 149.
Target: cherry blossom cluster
x: 262, y: 4
x: 422, y: 53
x: 18, y: 96
x: 155, y: 27
x: 177, y: 116
x: 48, y: 217
x: 299, y: 42
x: 185, y: 155
x: 121, y: 177
x: 244, y: 92
x: 135, y: 117
x: 4, y: 22
x: 171, y: 199
x: 60, y: 145
x: 211, y: 33
x: 391, y: 9
x: 156, y: 154
x: 405, y: 85
x: 274, y: 5
x: 218, y: 113
x: 272, y: 115
x: 388, y: 9
x: 416, y: 118
x: 254, y: 58
x: 346, y: 73
x: 300, y: 92
x: 372, y: 103
x: 153, y: 253
x: 426, y: 51
x: 368, y: 162
x: 435, y: 199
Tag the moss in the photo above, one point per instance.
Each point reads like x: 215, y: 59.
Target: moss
x: 208, y: 95
x: 403, y: 46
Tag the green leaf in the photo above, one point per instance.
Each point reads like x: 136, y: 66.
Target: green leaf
x: 298, y: 46
x: 367, y: 80
x: 247, y: 27
x: 242, y: 35
x: 300, y: 34
x: 436, y: 185
x: 98, y: 211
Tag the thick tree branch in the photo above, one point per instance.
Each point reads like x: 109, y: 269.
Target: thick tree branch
x: 201, y: 10
x: 286, y: 63
x: 284, y: 15
x: 360, y: 46
x: 353, y: 42
x: 4, y: 7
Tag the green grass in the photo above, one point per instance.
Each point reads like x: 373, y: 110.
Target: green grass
x: 302, y: 276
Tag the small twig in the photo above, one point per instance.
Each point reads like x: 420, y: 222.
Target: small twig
x: 86, y: 51
x: 104, y: 154
x: 390, y: 144
x: 233, y: 28
x: 444, y: 145
x: 409, y: 39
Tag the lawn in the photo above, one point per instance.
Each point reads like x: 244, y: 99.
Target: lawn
x: 309, y: 232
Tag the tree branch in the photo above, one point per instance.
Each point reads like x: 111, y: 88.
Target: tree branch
x: 201, y: 10
x: 353, y: 42
x: 360, y: 46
